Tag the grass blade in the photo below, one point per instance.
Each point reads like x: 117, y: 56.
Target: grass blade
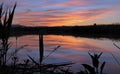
x: 33, y: 60
x: 102, y: 66
x: 89, y: 68
x: 52, y: 51
x: 116, y: 45
x: 11, y: 14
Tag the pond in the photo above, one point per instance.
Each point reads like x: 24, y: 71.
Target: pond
x: 72, y: 49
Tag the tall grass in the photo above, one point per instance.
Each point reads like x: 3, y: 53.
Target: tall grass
x: 5, y: 27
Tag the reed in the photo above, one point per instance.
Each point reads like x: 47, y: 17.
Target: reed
x: 5, y: 28
x: 6, y: 18
x: 96, y: 68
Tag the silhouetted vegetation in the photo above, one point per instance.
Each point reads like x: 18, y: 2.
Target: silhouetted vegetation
x: 111, y: 31
x: 5, y: 28
x: 95, y: 68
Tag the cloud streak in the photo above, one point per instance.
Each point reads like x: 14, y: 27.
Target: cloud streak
x: 57, y: 18
x: 64, y: 12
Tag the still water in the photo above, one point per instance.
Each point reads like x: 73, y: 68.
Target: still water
x: 72, y: 49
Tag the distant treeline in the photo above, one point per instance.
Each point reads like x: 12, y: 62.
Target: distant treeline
x: 111, y: 31
x: 92, y: 30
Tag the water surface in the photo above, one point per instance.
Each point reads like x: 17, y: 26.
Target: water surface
x: 73, y: 49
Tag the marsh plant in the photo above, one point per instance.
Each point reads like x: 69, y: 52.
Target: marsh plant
x: 6, y: 17
x: 96, y: 67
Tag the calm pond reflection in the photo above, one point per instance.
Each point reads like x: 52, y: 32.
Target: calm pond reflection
x: 73, y: 49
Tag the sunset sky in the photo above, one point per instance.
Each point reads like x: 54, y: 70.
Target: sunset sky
x: 65, y: 12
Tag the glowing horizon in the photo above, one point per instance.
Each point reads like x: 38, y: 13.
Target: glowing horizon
x: 65, y: 12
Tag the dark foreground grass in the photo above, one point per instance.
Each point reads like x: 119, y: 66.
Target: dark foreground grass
x: 5, y: 27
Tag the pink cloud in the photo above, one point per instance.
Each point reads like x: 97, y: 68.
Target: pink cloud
x: 49, y: 18
x: 56, y: 14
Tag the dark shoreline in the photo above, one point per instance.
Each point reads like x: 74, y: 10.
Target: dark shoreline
x: 97, y: 31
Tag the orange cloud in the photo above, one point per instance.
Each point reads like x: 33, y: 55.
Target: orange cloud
x: 58, y: 17
x: 59, y: 13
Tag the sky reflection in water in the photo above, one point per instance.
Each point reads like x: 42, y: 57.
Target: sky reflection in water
x: 72, y: 50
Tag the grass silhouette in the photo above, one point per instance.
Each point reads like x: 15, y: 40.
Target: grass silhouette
x: 5, y: 26
x: 96, y: 68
